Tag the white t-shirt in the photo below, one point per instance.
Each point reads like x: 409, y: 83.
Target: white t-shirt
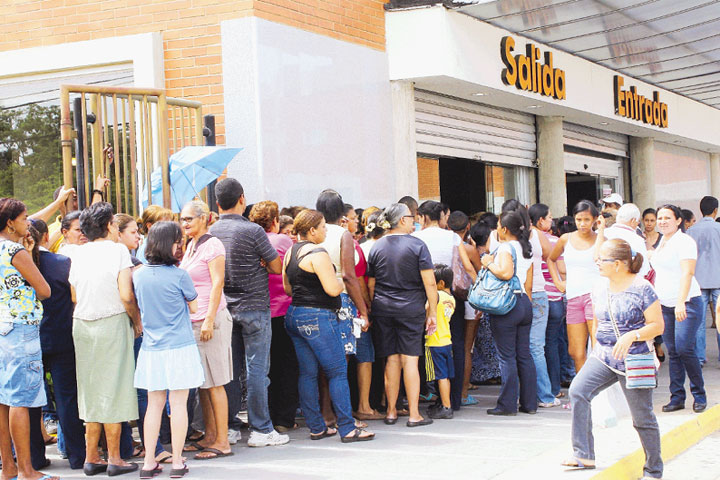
x: 666, y: 262
x: 523, y: 264
x: 538, y: 284
x: 440, y: 242
x: 366, y: 246
x: 94, y: 275
x: 636, y: 242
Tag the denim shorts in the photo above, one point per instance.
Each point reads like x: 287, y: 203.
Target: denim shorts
x: 21, y: 375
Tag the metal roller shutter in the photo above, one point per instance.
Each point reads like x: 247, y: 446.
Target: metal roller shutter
x: 451, y: 127
x: 595, y: 140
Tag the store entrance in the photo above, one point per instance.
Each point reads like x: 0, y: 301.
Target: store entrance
x: 581, y: 187
x: 462, y: 184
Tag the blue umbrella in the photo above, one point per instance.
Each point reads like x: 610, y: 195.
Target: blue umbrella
x: 191, y: 170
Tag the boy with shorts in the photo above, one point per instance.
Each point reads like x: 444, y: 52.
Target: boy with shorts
x: 438, y: 346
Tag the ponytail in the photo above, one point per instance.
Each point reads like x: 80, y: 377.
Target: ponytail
x: 636, y: 263
x: 518, y: 225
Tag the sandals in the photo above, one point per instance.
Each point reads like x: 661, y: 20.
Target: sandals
x: 179, y: 472
x: 215, y: 454
x: 356, y: 437
x: 390, y: 421
x: 575, y: 464
x: 325, y: 434
x: 146, y: 474
x: 375, y: 415
x: 164, y: 457
x: 193, y: 447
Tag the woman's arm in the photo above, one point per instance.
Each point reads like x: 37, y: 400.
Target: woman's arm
x: 501, y: 265
x: 323, y: 267
x: 654, y: 326
x: 371, y: 288
x: 217, y: 276
x: 428, y: 278
x: 286, y: 281
x: 46, y: 213
x: 600, y: 238
x: 552, y: 265
x: 127, y: 295
x: 688, y: 270
x: 467, y: 264
x: 352, y: 284
x: 25, y: 265
x: 544, y: 243
x: 193, y: 306
x: 529, y: 281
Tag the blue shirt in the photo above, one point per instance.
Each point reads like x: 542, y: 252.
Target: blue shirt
x: 162, y: 293
x: 628, y: 309
x: 56, y: 324
x: 706, y: 234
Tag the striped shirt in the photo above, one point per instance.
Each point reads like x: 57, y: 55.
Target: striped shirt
x: 246, y: 245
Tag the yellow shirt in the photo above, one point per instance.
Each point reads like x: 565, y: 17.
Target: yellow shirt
x: 53, y: 228
x: 445, y: 309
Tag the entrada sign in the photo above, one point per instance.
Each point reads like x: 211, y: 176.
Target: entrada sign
x: 527, y: 73
x: 631, y: 105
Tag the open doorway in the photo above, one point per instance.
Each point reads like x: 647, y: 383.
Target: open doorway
x: 462, y: 184
x: 581, y: 187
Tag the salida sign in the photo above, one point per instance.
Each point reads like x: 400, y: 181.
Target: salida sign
x: 631, y: 105
x: 527, y: 73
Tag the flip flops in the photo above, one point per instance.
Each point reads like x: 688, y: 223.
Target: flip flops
x: 216, y: 454
x: 355, y: 437
x: 196, y: 447
x: 325, y: 434
x: 179, y: 472
x: 146, y: 474
x: 375, y: 415
x: 575, y: 464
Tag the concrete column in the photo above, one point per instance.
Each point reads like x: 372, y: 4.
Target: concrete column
x: 642, y: 172
x: 715, y: 175
x: 404, y: 150
x: 551, y: 164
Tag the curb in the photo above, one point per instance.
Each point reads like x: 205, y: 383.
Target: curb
x: 675, y: 442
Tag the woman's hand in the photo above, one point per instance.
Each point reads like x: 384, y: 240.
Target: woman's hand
x: 430, y: 324
x: 620, y: 350
x: 680, y: 312
x: 561, y: 285
x: 487, y: 259
x: 206, y: 330
x: 28, y: 242
x: 137, y: 329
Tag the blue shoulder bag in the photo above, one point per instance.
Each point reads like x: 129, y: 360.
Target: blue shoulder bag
x: 491, y: 295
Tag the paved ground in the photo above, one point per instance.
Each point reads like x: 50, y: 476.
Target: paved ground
x: 526, y: 446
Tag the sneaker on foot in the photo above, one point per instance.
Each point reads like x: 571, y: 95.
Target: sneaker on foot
x: 442, y: 413
x: 271, y: 439
x: 233, y: 436
x: 555, y: 403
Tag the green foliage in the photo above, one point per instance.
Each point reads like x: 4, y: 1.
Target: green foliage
x: 30, y: 155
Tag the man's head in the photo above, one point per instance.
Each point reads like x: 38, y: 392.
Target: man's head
x: 709, y: 206
x: 458, y: 222
x: 612, y: 202
x: 411, y: 203
x: 628, y: 214
x: 230, y: 196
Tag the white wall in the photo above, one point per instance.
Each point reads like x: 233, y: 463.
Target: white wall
x: 311, y: 113
x: 682, y: 176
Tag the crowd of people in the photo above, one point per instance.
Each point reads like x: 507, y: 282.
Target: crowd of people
x: 342, y: 316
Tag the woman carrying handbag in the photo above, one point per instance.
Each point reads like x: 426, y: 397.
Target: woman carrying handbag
x: 627, y: 317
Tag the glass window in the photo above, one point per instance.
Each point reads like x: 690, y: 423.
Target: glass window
x: 500, y: 185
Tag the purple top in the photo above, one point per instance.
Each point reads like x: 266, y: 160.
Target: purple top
x: 279, y: 301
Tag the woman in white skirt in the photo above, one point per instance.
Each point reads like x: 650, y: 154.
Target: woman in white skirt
x: 169, y: 358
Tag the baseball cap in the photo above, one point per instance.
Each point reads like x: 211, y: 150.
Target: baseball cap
x: 613, y: 198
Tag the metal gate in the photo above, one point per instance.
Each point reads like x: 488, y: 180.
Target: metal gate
x: 135, y: 129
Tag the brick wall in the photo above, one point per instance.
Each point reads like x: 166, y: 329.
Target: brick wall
x: 190, y: 29
x: 428, y: 179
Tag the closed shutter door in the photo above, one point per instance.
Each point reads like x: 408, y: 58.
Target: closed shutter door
x: 592, y: 139
x: 451, y: 127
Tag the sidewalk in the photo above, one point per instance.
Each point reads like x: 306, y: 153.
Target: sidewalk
x: 473, y: 443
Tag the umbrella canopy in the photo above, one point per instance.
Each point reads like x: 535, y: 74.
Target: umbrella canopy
x: 191, y: 170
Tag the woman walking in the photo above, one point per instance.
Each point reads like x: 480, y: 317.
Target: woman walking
x: 311, y: 322
x: 512, y: 330
x: 401, y: 282
x: 627, y: 318
x: 169, y: 360
x: 103, y: 322
x: 22, y: 287
x: 212, y: 326
x: 578, y: 249
x: 680, y: 296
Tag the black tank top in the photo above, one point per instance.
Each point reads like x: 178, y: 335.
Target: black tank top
x: 307, y: 290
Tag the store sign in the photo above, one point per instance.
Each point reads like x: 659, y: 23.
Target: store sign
x: 629, y: 104
x: 527, y: 73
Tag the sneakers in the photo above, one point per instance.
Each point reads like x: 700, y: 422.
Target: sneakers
x: 271, y: 439
x: 441, y: 413
x: 51, y: 426
x: 555, y: 403
x: 233, y: 436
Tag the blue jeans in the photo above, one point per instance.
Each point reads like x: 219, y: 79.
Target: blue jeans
x: 556, y: 314
x: 317, y: 345
x: 592, y: 379
x: 511, y: 333
x: 680, y: 338
x: 255, y: 326
x: 537, y: 345
x: 709, y: 295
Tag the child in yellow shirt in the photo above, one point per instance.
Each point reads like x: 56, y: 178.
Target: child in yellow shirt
x: 438, y: 346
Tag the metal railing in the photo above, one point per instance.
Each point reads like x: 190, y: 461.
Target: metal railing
x: 136, y: 129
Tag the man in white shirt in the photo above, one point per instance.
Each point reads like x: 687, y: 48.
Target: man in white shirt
x: 626, y: 222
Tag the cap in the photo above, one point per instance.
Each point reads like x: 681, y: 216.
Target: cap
x: 613, y: 198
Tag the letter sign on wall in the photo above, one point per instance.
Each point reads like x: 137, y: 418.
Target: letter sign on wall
x: 527, y: 73
x: 629, y: 104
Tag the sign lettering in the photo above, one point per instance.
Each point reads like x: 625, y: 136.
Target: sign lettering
x: 527, y: 73
x: 629, y: 104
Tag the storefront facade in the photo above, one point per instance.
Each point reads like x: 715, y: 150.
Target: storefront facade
x: 496, y: 118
